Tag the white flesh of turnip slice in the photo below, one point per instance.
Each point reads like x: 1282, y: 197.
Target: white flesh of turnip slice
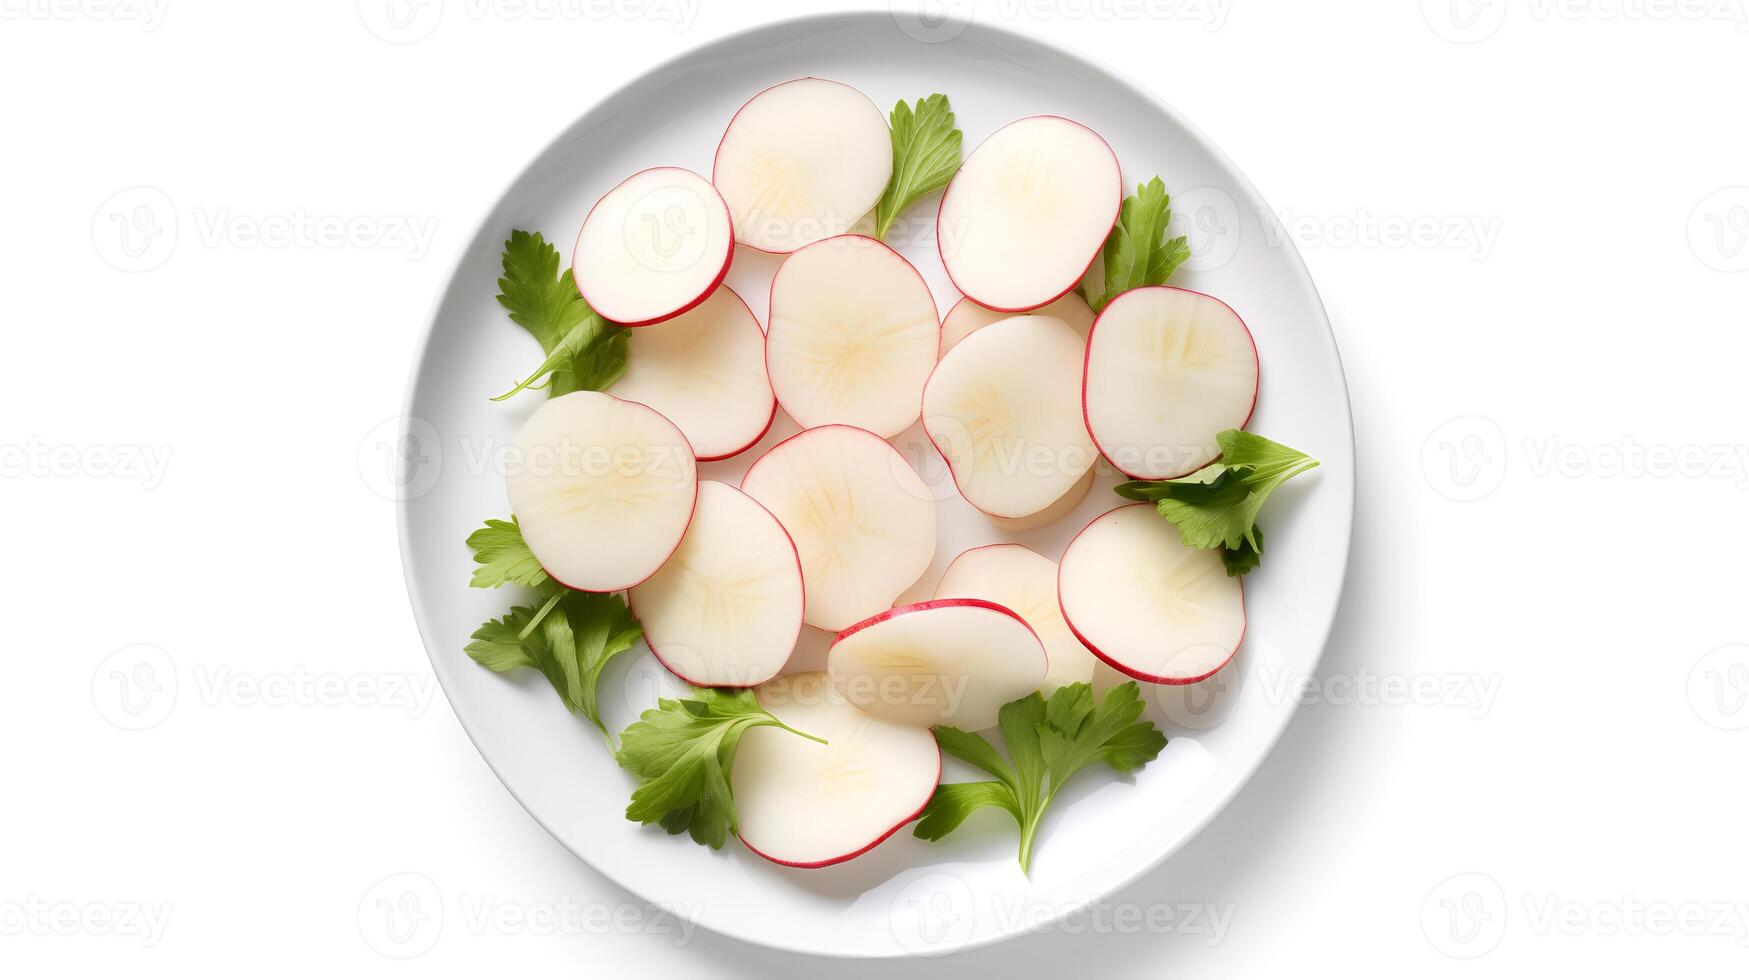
x: 603, y: 489
x: 1018, y: 578
x: 967, y: 317
x: 653, y: 247
x: 1064, y: 506
x: 704, y: 370
x: 861, y: 518
x: 802, y: 161
x: 1004, y: 409
x: 809, y: 805
x: 940, y: 662
x: 854, y: 334
x: 726, y: 608
x: 1146, y: 604
x: 1028, y: 212
x: 1167, y: 370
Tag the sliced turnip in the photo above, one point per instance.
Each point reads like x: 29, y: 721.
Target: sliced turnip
x: 802, y: 161
x: 726, y: 608
x: 1167, y: 370
x: 860, y: 516
x: 1018, y: 578
x: 705, y: 370
x: 1004, y: 409
x: 603, y: 489
x: 809, y: 805
x: 1028, y: 212
x: 1064, y: 506
x: 941, y: 662
x: 1146, y: 604
x: 854, y: 334
x: 967, y: 317
x: 653, y: 247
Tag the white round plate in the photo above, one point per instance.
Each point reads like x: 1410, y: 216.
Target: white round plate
x: 905, y: 897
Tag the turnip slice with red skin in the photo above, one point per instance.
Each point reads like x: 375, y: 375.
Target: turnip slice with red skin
x: 603, y: 489
x: 941, y: 662
x: 1004, y: 410
x: 802, y: 161
x: 1146, y: 604
x: 1028, y: 212
x: 1017, y: 578
x: 807, y: 805
x: 653, y: 247
x: 861, y: 518
x: 967, y: 317
x: 705, y: 370
x: 1168, y: 369
x: 725, y: 609
x: 854, y: 334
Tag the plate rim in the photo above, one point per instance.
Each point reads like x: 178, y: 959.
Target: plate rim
x: 1003, y: 35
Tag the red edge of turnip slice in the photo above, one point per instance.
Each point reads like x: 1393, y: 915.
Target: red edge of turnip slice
x: 795, y: 555
x: 771, y: 416
x: 1086, y: 358
x: 677, y: 541
x: 928, y: 604
x: 1116, y: 212
x: 717, y: 280
x: 769, y: 419
x: 1245, y: 624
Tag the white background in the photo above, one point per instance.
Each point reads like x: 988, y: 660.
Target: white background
x: 223, y: 745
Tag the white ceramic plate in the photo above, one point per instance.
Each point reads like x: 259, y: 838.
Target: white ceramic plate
x: 904, y: 897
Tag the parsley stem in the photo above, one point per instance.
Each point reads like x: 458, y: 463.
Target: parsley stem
x: 811, y: 738
x: 542, y: 614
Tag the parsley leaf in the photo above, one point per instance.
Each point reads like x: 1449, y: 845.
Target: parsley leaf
x: 1048, y: 741
x: 1217, y: 506
x: 683, y: 750
x: 569, y: 638
x: 926, y: 152
x: 1138, y: 253
x: 584, y: 352
x: 504, y: 557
